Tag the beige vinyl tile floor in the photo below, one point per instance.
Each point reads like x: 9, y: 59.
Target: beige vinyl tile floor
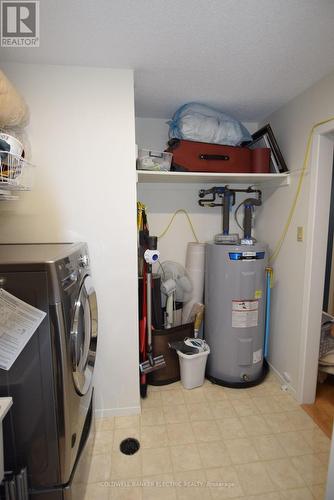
x: 211, y: 443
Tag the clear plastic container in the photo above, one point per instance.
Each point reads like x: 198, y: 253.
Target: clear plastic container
x: 154, y: 160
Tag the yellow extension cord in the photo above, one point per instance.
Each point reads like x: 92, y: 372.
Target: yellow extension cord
x: 179, y: 211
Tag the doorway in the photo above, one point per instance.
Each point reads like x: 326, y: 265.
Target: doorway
x: 320, y: 171
x: 328, y: 303
x: 322, y: 411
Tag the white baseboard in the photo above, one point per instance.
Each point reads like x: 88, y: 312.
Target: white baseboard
x: 282, y: 380
x: 117, y: 412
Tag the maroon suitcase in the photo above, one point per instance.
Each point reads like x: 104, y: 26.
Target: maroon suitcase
x: 203, y: 157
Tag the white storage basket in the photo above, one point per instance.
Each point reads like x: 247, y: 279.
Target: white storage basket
x: 16, y: 173
x: 154, y: 160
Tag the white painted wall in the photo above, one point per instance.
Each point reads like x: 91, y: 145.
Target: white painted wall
x: 162, y: 200
x: 152, y: 133
x: 291, y: 125
x: 82, y: 135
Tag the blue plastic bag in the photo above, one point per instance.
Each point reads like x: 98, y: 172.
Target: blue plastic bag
x: 198, y: 122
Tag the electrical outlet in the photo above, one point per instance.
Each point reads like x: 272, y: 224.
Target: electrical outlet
x: 300, y: 233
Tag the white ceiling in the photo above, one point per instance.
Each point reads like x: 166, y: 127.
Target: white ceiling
x: 247, y: 57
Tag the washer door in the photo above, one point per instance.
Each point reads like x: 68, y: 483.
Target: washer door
x: 84, y: 337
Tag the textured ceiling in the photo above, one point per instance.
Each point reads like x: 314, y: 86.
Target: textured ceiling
x: 247, y: 57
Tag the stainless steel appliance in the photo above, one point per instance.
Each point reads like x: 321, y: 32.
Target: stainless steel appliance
x: 51, y: 381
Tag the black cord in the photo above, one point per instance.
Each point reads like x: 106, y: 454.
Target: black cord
x: 162, y: 269
x: 236, y: 215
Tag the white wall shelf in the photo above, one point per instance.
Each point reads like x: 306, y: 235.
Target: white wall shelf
x: 198, y: 177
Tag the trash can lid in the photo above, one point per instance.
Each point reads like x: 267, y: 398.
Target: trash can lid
x: 200, y: 344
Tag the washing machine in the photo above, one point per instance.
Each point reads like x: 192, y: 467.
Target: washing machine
x: 51, y: 385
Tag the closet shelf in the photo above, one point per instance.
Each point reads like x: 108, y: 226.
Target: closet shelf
x: 198, y: 177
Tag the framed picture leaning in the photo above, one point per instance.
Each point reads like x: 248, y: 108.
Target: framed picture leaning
x: 264, y: 138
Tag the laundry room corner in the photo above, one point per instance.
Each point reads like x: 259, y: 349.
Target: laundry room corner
x: 293, y: 123
x: 166, y: 250
x: 82, y: 137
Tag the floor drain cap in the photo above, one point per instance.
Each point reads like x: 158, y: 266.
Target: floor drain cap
x: 129, y: 446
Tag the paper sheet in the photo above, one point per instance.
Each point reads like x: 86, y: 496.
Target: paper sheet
x: 18, y: 322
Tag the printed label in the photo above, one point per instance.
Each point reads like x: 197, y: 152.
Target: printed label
x: 257, y: 356
x: 258, y: 294
x: 18, y: 322
x: 245, y: 313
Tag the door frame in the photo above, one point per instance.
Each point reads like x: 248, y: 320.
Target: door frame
x: 320, y: 172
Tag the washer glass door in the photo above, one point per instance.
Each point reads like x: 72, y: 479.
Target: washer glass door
x: 84, y: 336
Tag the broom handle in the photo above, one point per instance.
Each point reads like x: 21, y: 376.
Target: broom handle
x: 149, y: 307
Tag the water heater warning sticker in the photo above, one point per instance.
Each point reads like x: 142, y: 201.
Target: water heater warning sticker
x: 257, y: 356
x: 245, y: 313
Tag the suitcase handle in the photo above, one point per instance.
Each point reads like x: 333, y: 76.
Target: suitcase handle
x: 213, y: 157
x: 155, y: 155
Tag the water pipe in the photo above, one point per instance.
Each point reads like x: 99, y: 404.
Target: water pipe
x: 269, y: 273
x: 226, y: 211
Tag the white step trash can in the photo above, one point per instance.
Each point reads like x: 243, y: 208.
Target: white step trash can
x: 192, y: 366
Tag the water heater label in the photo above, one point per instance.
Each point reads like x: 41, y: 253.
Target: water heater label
x: 245, y: 313
x: 257, y: 356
